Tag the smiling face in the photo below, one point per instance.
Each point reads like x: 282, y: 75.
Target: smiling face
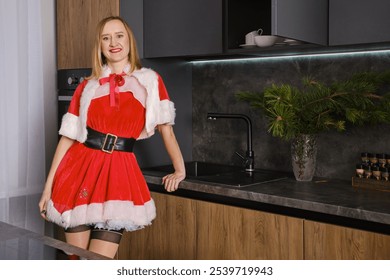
x: 114, y: 42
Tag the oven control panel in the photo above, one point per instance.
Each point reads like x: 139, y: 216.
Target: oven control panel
x: 69, y: 79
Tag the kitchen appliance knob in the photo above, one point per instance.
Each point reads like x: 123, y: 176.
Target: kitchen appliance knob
x: 72, y: 80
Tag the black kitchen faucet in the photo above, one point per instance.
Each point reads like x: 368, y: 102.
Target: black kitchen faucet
x: 249, y: 159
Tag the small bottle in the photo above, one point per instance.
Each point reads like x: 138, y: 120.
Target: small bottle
x: 376, y: 172
x: 364, y: 157
x: 385, y: 173
x: 381, y: 159
x: 360, y: 170
x: 373, y: 159
x: 388, y: 159
x: 367, y: 171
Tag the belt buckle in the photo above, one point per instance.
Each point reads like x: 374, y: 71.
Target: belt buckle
x: 108, y: 139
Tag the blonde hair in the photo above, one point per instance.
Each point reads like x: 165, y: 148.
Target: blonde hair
x: 98, y: 59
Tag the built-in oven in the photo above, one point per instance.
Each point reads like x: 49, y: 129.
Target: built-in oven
x: 67, y: 82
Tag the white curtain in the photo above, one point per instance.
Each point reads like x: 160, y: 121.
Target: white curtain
x: 27, y: 107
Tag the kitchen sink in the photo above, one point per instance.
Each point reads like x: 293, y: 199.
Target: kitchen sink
x: 197, y: 169
x: 233, y: 176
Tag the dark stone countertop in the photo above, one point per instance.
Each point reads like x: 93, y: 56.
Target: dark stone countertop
x: 332, y: 198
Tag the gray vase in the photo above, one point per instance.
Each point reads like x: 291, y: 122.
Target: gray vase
x: 304, y: 156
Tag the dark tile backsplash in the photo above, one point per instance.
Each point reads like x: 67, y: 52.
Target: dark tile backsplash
x: 215, y: 84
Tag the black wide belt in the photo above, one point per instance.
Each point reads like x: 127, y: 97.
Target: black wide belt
x: 108, y: 142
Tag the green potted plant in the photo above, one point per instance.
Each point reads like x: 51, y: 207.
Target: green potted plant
x: 300, y: 114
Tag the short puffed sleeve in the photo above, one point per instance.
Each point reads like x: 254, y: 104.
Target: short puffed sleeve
x: 166, y: 113
x: 159, y: 108
x: 162, y: 90
x: 74, y: 106
x: 69, y: 124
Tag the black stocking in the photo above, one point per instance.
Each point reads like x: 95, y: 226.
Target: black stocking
x: 113, y: 236
x: 79, y: 228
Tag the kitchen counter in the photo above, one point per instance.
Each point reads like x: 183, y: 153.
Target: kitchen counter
x: 21, y: 244
x: 332, y: 201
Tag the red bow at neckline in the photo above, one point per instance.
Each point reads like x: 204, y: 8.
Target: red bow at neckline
x: 115, y: 81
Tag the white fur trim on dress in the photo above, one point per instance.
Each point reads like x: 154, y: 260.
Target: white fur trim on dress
x: 113, y: 215
x: 157, y: 112
x: 85, y: 101
x: 69, y: 126
x: 149, y: 79
x: 167, y: 112
x: 165, y: 115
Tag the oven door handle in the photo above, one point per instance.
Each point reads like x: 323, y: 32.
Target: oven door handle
x: 64, y: 98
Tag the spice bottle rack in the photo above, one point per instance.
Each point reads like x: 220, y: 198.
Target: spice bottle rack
x: 373, y: 172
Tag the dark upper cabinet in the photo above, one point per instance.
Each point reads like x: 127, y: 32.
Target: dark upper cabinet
x: 212, y: 27
x: 175, y: 27
x: 304, y: 20
x: 182, y: 27
x: 358, y: 21
x: 132, y: 11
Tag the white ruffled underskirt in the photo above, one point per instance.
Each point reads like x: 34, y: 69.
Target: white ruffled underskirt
x: 111, y: 215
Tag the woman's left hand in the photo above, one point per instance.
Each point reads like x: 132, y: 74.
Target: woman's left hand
x: 171, y: 181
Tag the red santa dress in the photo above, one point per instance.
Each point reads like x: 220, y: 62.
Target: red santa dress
x: 102, y: 189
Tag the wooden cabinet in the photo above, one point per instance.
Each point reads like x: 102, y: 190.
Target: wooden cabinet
x: 76, y: 25
x: 192, y: 229
x: 178, y: 28
x: 187, y: 229
x: 330, y: 242
x: 227, y: 232
x: 358, y: 21
x: 171, y: 236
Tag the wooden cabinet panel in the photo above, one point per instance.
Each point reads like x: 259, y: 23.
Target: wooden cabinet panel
x: 227, y: 232
x: 76, y: 25
x: 330, y: 242
x: 180, y: 227
x: 171, y: 236
x: 191, y: 229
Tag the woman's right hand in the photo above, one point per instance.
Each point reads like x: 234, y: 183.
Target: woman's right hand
x: 171, y: 181
x: 46, y: 195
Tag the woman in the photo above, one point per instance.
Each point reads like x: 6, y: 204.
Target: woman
x: 95, y: 189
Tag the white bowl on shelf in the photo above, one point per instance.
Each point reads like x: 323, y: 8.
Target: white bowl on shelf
x: 265, y: 40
